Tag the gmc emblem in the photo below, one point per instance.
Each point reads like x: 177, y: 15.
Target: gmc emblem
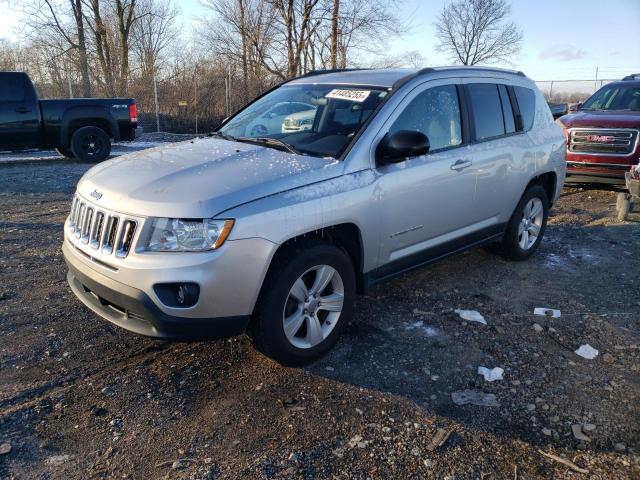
x: 600, y: 138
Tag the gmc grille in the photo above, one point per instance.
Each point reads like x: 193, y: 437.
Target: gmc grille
x: 600, y: 141
x: 105, y: 231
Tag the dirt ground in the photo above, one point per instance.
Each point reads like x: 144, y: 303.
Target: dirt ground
x: 80, y: 398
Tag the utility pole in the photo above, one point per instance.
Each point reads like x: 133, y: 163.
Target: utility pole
x: 595, y: 84
x: 551, y: 92
x: 155, y: 94
x: 227, y: 94
x: 195, y: 79
x: 70, y: 87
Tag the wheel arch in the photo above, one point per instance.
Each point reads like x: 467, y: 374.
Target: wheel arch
x: 548, y: 181
x: 346, y: 236
x: 80, y: 117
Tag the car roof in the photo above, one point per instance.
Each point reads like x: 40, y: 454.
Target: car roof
x: 624, y: 83
x: 388, y: 77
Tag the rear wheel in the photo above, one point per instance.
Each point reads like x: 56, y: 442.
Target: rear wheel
x: 90, y: 144
x: 307, y: 300
x: 65, y: 152
x: 527, y: 225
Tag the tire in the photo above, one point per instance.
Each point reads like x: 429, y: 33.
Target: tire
x: 90, y: 144
x: 305, y: 262
x: 518, y: 243
x: 65, y: 152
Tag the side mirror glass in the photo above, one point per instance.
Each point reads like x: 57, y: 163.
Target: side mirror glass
x: 398, y: 146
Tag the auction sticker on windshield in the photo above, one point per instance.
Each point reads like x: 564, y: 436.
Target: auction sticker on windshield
x: 351, y: 95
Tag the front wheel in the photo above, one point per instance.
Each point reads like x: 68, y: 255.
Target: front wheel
x: 527, y: 225
x: 307, y: 300
x: 90, y: 144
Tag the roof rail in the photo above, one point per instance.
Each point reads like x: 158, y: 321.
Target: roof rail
x: 427, y: 70
x: 633, y: 76
x: 330, y: 70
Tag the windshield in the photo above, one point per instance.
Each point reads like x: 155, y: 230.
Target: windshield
x: 318, y: 120
x: 617, y: 97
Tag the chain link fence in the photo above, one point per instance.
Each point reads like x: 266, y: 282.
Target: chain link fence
x: 571, y: 91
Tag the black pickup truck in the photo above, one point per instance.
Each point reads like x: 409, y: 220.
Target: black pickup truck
x: 81, y: 127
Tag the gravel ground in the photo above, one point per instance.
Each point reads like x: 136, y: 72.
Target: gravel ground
x: 82, y: 399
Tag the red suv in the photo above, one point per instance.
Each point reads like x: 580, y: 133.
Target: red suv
x: 602, y: 135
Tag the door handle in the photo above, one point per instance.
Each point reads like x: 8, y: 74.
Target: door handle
x: 461, y: 165
x: 23, y: 110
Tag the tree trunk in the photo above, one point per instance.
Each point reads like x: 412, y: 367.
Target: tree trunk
x: 245, y: 66
x: 102, y: 49
x: 334, y: 33
x: 82, y: 48
x: 126, y: 18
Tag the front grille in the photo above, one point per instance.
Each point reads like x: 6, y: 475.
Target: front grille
x: 600, y: 141
x: 105, y: 231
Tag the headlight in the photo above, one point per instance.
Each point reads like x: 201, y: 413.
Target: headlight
x: 186, y: 235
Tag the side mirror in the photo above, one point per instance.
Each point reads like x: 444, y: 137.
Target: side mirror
x: 399, y: 146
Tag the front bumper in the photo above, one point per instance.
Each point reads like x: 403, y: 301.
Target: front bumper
x: 229, y: 281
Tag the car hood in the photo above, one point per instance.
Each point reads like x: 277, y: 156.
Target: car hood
x: 199, y: 178
x: 602, y: 119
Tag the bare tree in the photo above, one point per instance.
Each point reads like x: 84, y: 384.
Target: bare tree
x: 153, y: 34
x: 60, y: 25
x: 478, y: 31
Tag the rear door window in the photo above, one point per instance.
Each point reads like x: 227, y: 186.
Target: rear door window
x: 507, y: 111
x: 11, y: 87
x: 486, y: 110
x: 527, y: 104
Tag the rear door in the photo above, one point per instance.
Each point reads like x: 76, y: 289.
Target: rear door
x: 497, y: 149
x: 19, y: 116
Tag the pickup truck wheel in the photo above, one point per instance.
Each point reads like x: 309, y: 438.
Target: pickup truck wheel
x: 527, y: 225
x: 65, y: 152
x: 90, y: 144
x: 307, y: 300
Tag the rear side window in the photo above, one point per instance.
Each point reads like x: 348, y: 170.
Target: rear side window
x: 486, y: 109
x: 507, y: 111
x: 527, y: 104
x: 11, y: 87
x: 436, y: 113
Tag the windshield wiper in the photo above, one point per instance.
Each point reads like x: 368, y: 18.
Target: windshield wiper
x: 270, y: 142
x: 223, y: 135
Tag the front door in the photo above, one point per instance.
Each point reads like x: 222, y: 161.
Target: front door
x: 426, y: 203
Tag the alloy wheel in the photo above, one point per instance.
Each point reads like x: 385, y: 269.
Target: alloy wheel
x: 531, y: 223
x: 313, y: 307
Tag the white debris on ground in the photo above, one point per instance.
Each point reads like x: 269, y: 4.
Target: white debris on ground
x: 491, y: 374
x: 419, y: 325
x: 474, y: 397
x: 587, y: 351
x: 471, y: 316
x: 546, y: 312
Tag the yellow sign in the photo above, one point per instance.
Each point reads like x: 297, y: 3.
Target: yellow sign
x: 182, y: 103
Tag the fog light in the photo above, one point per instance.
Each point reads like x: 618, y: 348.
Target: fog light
x: 178, y: 295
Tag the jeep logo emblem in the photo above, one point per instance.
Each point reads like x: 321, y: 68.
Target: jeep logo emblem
x: 96, y: 194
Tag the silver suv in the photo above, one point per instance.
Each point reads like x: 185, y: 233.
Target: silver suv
x: 273, y: 234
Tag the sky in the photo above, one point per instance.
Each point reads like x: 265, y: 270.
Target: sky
x: 563, y: 39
